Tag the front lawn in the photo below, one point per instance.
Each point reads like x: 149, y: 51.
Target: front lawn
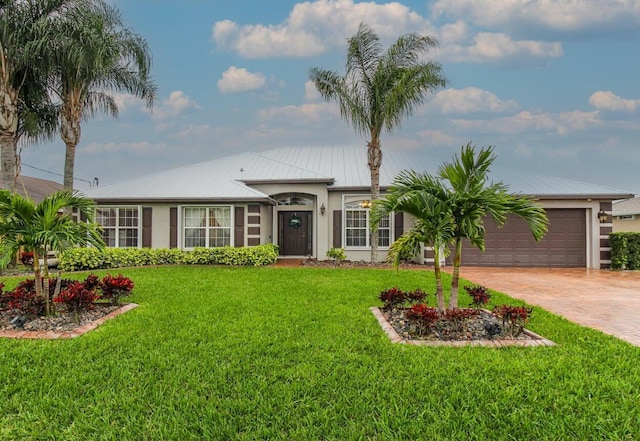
x: 295, y: 354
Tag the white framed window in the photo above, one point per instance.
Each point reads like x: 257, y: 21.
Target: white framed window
x: 206, y: 227
x: 357, y: 232
x: 120, y: 226
x: 626, y: 217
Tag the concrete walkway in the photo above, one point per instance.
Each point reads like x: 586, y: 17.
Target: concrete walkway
x: 604, y: 300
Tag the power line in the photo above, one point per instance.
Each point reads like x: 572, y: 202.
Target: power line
x: 95, y: 180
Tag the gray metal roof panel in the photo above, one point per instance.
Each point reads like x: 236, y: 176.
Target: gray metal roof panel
x: 626, y: 207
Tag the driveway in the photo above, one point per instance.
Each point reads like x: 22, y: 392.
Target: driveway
x: 604, y: 300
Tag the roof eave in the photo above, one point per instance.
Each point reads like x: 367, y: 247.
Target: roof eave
x: 183, y: 201
x: 329, y: 181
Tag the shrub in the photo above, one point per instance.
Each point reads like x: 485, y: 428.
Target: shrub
x: 26, y: 257
x: 625, y: 250
x: 392, y: 298
x: 514, y: 318
x: 76, y: 298
x: 116, y: 287
x: 480, y: 295
x: 337, y: 254
x: 458, y: 317
x: 416, y: 296
x: 422, y: 317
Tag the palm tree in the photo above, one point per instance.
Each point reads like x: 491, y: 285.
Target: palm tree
x: 471, y: 199
x: 30, y: 30
x: 100, y: 57
x: 419, y: 195
x: 44, y: 227
x: 379, y: 89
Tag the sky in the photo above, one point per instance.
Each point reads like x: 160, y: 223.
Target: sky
x: 553, y: 85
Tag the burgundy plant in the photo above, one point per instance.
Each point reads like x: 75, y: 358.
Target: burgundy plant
x: 77, y: 298
x: 26, y: 257
x: 480, y: 295
x: 116, y: 287
x: 416, y: 296
x: 422, y: 316
x: 392, y: 297
x: 514, y: 318
x: 459, y: 316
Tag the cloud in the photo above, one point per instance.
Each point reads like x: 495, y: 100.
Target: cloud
x: 116, y: 147
x: 607, y: 100
x: 126, y: 101
x: 499, y: 47
x: 314, y: 27
x: 315, y: 114
x: 177, y: 104
x: 470, y: 100
x: 311, y: 92
x: 239, y: 79
x: 545, y: 18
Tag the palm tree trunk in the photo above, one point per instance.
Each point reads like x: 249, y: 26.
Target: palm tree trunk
x: 455, y: 278
x: 37, y: 273
x: 70, y: 134
x: 69, y: 164
x: 374, y: 154
x: 45, y: 283
x: 8, y: 130
x: 438, y: 275
x: 8, y: 160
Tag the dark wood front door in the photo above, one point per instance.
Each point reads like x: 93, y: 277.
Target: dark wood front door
x: 295, y: 235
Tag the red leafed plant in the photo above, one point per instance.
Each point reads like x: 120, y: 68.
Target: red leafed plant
x: 416, y: 296
x: 26, y: 257
x: 116, y: 287
x: 458, y: 317
x: 77, y: 298
x: 480, y: 295
x: 514, y: 318
x: 422, y: 317
x: 392, y: 297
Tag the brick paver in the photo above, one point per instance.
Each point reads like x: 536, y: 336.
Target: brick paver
x: 605, y: 300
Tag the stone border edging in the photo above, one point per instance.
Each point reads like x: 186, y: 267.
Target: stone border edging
x: 535, y: 340
x: 51, y: 335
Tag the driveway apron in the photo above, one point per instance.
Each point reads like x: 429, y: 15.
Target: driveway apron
x: 605, y: 300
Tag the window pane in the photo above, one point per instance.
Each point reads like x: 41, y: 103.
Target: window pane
x: 128, y: 237
x: 356, y: 219
x: 194, y: 237
x: 356, y: 237
x: 219, y: 237
x: 195, y: 217
x: 128, y: 217
x: 106, y: 217
x: 109, y: 237
x: 220, y: 217
x: 383, y: 237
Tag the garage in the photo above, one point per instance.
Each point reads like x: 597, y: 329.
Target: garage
x: 564, y: 245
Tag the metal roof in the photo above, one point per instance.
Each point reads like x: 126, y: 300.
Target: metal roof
x: 626, y: 207
x: 230, y: 178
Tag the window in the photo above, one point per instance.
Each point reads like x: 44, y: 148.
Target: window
x: 120, y: 226
x: 357, y: 232
x: 207, y: 227
x: 626, y: 217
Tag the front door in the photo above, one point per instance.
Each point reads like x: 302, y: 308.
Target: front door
x: 295, y: 235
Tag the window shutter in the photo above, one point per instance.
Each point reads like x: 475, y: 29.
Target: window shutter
x: 146, y: 227
x: 398, y: 225
x: 238, y: 232
x: 173, y: 227
x: 337, y: 229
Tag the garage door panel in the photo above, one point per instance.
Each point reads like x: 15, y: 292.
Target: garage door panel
x: 513, y: 245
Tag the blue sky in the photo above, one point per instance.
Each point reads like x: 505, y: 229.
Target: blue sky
x: 552, y: 84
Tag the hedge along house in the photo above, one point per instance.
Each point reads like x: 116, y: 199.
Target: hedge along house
x: 308, y: 200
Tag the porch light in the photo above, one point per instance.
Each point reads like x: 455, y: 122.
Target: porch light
x: 602, y: 216
x: 322, y: 209
x: 365, y: 204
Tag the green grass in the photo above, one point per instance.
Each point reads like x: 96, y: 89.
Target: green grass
x: 295, y: 354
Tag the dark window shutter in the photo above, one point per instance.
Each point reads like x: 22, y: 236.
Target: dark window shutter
x: 337, y: 228
x: 398, y: 225
x: 146, y: 227
x: 238, y: 232
x: 173, y: 227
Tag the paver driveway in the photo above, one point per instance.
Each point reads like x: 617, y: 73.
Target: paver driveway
x: 600, y: 299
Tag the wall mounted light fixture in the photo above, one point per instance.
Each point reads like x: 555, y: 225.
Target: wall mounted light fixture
x: 322, y: 209
x: 603, y: 216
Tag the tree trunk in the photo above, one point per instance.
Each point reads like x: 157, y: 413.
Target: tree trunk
x: 37, y: 273
x: 438, y: 275
x: 45, y: 284
x: 8, y: 131
x: 455, y: 278
x: 70, y: 134
x: 374, y: 156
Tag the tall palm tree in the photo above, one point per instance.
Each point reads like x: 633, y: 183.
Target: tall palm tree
x: 421, y: 196
x: 30, y: 30
x: 471, y: 198
x: 379, y: 89
x: 44, y: 227
x: 100, y: 56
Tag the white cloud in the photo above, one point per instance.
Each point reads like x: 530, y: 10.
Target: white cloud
x: 239, y: 79
x: 126, y: 101
x: 607, y: 100
x: 311, y: 92
x: 307, y: 114
x: 539, y: 17
x: 177, y: 104
x: 470, y: 100
x: 314, y: 27
x: 499, y: 47
x: 116, y: 147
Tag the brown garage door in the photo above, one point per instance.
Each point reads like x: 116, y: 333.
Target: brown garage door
x: 564, y: 245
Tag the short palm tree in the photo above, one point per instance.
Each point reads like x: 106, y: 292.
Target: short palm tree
x: 30, y: 31
x: 44, y: 227
x: 99, y: 57
x: 379, y: 89
x: 471, y: 198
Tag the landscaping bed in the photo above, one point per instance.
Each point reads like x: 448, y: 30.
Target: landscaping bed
x: 62, y: 321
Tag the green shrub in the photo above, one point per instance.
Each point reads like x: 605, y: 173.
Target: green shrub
x: 78, y: 259
x: 337, y: 254
x: 625, y: 250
